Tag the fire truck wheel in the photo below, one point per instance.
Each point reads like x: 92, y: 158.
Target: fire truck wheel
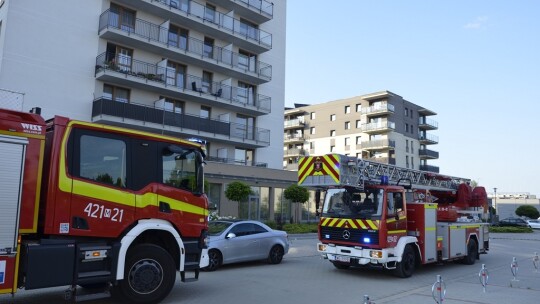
x: 341, y: 266
x: 472, y: 252
x: 405, y: 268
x: 276, y: 254
x: 149, y: 275
x: 215, y: 260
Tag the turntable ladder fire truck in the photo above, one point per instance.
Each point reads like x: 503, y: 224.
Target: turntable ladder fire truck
x: 98, y: 209
x: 391, y: 217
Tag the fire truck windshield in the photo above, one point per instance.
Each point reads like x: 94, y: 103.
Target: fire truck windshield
x: 352, y: 203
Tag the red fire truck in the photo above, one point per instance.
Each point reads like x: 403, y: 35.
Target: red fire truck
x: 98, y: 208
x: 395, y: 218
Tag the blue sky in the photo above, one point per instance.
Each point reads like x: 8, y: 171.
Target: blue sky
x: 475, y: 63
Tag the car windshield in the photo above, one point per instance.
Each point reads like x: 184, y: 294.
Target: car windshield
x: 350, y: 203
x: 217, y: 228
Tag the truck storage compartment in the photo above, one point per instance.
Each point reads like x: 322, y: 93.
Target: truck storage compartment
x: 49, y: 264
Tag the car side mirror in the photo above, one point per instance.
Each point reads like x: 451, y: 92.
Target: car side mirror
x: 230, y: 235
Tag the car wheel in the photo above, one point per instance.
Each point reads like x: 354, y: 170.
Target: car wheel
x: 405, y: 268
x: 149, y: 275
x: 215, y: 259
x: 276, y: 254
x: 472, y: 252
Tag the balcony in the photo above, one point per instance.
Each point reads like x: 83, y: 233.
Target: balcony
x: 428, y: 154
x: 383, y: 160
x: 378, y: 127
x: 428, y: 139
x: 291, y: 167
x: 290, y: 138
x: 125, y: 71
x: 259, y: 11
x: 427, y: 124
x: 429, y: 168
x: 155, y: 38
x: 294, y: 123
x: 381, y: 144
x: 378, y: 110
x: 295, y: 152
x: 233, y: 161
x: 196, y: 16
x: 157, y: 120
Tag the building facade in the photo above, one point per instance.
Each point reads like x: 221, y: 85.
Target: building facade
x: 207, y: 70
x: 381, y: 127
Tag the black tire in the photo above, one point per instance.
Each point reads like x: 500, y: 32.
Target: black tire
x: 340, y: 265
x: 149, y: 275
x: 276, y: 254
x: 406, y: 267
x: 472, y: 253
x: 215, y: 260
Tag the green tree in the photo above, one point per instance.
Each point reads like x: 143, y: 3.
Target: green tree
x: 237, y: 191
x: 296, y: 194
x: 528, y: 211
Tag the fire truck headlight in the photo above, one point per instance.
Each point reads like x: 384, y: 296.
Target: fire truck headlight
x: 375, y: 254
x: 322, y: 247
x: 367, y: 240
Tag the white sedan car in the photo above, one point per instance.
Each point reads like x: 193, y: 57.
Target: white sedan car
x: 233, y: 241
x: 534, y: 224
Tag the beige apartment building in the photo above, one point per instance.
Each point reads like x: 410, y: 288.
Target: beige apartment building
x: 207, y: 70
x: 380, y: 126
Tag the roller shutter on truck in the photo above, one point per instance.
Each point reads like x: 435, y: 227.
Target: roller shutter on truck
x: 12, y: 152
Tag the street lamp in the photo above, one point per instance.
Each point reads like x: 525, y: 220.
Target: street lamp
x: 495, y: 199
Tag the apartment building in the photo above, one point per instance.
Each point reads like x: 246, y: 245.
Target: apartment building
x: 207, y: 70
x: 380, y: 126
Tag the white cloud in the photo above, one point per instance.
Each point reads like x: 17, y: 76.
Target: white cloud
x: 478, y: 23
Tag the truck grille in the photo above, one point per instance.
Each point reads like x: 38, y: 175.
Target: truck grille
x: 356, y: 235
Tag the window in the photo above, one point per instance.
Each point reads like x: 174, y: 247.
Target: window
x: 347, y: 109
x: 358, y: 107
x: 347, y: 125
x: 178, y: 37
x: 332, y: 148
x: 406, y: 112
x: 122, y: 18
x: 206, y: 82
x: 358, y: 140
x: 412, y: 146
x: 333, y: 117
x: 103, y: 160
x: 173, y: 105
x: 245, y: 125
x: 312, y: 115
x: 407, y: 146
x: 312, y: 130
x: 332, y: 133
x: 312, y: 145
x: 210, y: 13
x: 407, y: 128
x: 247, y: 60
x: 115, y: 93
x: 205, y: 112
x: 176, y: 74
x: 208, y: 47
x: 407, y: 161
x: 248, y: 29
x: 179, y: 168
x: 118, y: 58
x: 347, y: 141
x: 358, y: 124
x: 246, y: 93
x: 411, y: 113
x: 412, y: 162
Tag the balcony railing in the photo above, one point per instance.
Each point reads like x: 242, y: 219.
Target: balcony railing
x: 169, y: 77
x: 426, y: 153
x: 295, y: 152
x: 294, y: 137
x: 233, y: 161
x: 160, y: 35
x: 379, y: 144
x: 378, y: 126
x: 427, y: 124
x: 262, y: 6
x: 383, y: 160
x: 427, y: 139
x: 224, y: 22
x: 149, y: 114
x: 429, y: 168
x: 294, y: 123
x: 379, y: 109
